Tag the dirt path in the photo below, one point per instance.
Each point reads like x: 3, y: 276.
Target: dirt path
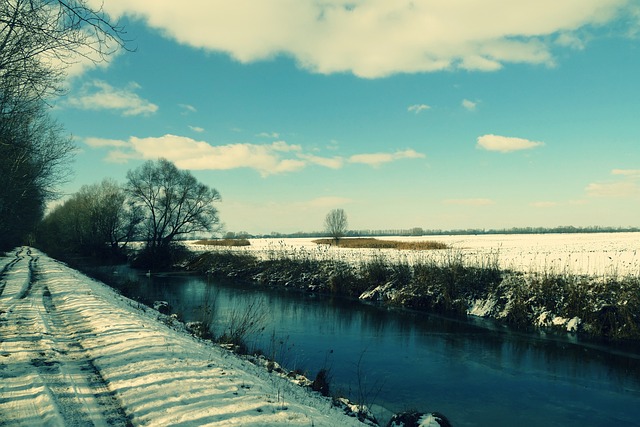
x: 46, y: 376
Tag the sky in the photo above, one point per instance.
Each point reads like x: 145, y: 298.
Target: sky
x: 440, y: 114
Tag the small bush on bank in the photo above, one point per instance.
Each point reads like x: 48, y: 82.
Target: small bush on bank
x: 321, y: 382
x: 160, y: 256
x: 375, y: 272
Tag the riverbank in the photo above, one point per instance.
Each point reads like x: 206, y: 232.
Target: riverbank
x: 75, y: 352
x: 452, y: 283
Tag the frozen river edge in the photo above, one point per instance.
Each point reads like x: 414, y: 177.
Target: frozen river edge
x: 75, y: 352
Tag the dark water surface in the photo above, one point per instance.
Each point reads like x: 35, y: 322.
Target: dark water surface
x: 474, y: 372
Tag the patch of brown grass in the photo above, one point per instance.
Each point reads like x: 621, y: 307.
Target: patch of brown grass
x: 223, y: 242
x: 372, y: 243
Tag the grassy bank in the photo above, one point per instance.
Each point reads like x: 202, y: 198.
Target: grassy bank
x: 223, y: 242
x: 372, y: 243
x: 607, y: 307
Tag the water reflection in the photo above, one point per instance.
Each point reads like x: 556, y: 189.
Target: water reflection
x: 477, y: 373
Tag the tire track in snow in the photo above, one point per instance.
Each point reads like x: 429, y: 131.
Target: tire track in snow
x: 8, y: 267
x: 53, y: 382
x: 29, y: 284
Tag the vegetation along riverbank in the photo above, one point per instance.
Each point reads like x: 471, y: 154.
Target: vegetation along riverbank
x: 602, y: 306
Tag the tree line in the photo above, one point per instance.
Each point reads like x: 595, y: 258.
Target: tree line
x: 158, y: 204
x: 38, y: 40
x: 419, y: 231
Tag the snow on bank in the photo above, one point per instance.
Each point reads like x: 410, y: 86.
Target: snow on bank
x: 73, y: 351
x: 600, y: 254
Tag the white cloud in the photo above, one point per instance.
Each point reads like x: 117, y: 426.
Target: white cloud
x: 469, y: 202
x: 571, y: 40
x: 84, y: 58
x: 543, y: 204
x: 418, y: 108
x: 284, y: 147
x: 328, y: 162
x: 186, y: 108
x: 103, y: 142
x: 630, y: 173
x: 623, y: 189
x: 377, y: 159
x: 505, y: 144
x: 469, y: 105
x: 628, y: 187
x: 99, y: 95
x: 272, y: 135
x: 196, y: 129
x: 267, y: 159
x: 188, y: 153
x: 377, y: 38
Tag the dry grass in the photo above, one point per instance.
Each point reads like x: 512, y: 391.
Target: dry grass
x: 224, y: 242
x: 371, y: 243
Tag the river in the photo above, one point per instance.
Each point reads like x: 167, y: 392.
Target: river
x: 475, y: 372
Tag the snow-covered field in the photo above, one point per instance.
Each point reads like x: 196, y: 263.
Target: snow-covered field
x: 74, y: 353
x: 601, y: 254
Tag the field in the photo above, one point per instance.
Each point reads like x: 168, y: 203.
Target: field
x: 593, y: 254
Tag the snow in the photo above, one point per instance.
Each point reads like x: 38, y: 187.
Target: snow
x: 74, y: 352
x: 600, y: 254
x: 482, y: 308
x: 429, y: 420
x: 548, y: 319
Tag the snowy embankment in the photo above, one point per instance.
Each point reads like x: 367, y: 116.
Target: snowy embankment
x: 571, y: 282
x: 74, y: 352
x: 594, y: 254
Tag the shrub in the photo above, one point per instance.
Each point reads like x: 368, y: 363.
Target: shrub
x: 375, y: 272
x: 160, y: 256
x: 321, y: 382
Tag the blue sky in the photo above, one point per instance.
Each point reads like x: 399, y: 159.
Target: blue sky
x: 434, y: 114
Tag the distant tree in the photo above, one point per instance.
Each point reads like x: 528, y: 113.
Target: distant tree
x: 173, y: 203
x: 98, y: 219
x: 416, y: 231
x: 335, y: 224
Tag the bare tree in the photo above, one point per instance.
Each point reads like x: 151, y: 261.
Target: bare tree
x: 98, y: 219
x: 33, y: 156
x: 38, y: 40
x: 173, y: 201
x: 111, y: 218
x: 335, y: 224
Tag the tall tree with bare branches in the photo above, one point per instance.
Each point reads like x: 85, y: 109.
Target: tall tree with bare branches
x: 174, y: 203
x: 39, y: 39
x: 335, y: 224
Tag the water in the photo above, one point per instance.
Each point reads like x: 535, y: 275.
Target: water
x: 475, y: 372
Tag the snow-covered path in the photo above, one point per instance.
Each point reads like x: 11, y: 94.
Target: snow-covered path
x: 75, y: 353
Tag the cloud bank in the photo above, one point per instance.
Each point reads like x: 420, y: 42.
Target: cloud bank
x: 377, y: 38
x: 266, y: 159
